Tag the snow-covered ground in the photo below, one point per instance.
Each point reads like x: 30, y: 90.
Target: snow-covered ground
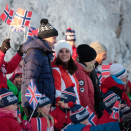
x: 106, y: 21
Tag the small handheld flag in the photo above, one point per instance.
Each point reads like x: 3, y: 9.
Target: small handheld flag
x: 105, y: 70
x: 115, y: 112
x: 92, y: 117
x: 22, y: 17
x: 16, y: 28
x: 32, y: 31
x: 7, y: 15
x: 32, y: 94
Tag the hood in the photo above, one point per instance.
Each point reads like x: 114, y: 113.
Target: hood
x: 75, y: 127
x: 80, y: 66
x: 35, y: 42
x: 109, y: 82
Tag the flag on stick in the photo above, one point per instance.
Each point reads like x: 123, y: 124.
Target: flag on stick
x: 7, y: 15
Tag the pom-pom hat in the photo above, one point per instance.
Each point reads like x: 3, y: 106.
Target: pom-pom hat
x: 78, y: 113
x: 6, y: 97
x: 43, y: 101
x: 70, y: 35
x: 109, y: 98
x: 46, y: 29
x: 68, y: 94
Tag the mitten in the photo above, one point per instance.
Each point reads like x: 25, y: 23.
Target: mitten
x: 26, y: 125
x: 5, y: 45
x: 20, y: 52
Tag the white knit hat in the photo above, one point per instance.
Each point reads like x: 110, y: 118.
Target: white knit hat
x: 118, y: 70
x: 62, y: 44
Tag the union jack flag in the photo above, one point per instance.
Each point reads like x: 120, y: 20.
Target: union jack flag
x: 92, y: 117
x: 32, y: 31
x: 105, y: 70
x: 16, y: 28
x: 32, y: 94
x: 22, y: 17
x: 7, y: 15
x: 115, y: 112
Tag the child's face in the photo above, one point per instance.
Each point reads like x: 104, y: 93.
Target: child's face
x: 12, y: 107
x: 46, y: 109
x: 64, y: 105
x: 18, y: 80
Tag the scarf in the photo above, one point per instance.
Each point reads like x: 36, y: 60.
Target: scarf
x: 7, y: 111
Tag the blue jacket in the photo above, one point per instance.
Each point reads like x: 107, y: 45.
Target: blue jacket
x: 37, y: 66
x: 112, y: 126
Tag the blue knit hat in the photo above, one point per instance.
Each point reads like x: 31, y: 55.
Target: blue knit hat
x: 68, y: 94
x: 70, y: 35
x: 7, y: 97
x: 78, y: 113
x: 109, y: 98
x: 43, y: 101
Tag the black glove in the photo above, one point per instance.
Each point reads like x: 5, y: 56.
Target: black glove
x: 98, y: 111
x: 5, y: 45
x: 125, y: 125
x: 20, y: 52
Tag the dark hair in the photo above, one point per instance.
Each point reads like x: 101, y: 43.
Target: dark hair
x: 70, y: 65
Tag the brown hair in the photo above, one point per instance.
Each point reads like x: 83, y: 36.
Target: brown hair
x: 70, y: 65
x: 47, y: 117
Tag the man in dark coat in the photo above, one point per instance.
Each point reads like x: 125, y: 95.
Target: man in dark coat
x: 36, y: 64
x: 101, y: 51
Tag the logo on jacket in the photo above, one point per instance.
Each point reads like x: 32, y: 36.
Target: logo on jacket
x: 82, y: 89
x: 81, y: 83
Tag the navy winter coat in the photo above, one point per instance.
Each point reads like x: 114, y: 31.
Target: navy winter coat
x: 37, y: 66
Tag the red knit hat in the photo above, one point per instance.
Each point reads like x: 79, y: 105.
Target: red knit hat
x: 18, y: 71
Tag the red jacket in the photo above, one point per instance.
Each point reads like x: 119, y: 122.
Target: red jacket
x: 60, y: 117
x: 105, y: 118
x: 7, y: 67
x: 63, y: 80
x: 86, y: 89
x: 9, y: 123
x: 74, y: 52
x: 109, y: 82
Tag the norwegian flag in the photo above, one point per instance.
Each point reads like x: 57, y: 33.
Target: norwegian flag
x: 40, y: 124
x: 105, y: 70
x: 101, y: 78
x: 7, y: 15
x: 92, y: 117
x: 16, y: 28
x: 22, y: 17
x: 32, y: 94
x: 115, y: 112
x: 32, y: 31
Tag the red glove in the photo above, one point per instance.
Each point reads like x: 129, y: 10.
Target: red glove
x: 26, y: 125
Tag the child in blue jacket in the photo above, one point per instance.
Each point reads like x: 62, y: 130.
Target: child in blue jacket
x: 79, y: 116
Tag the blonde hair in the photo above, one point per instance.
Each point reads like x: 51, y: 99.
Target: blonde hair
x: 47, y: 117
x: 18, y: 119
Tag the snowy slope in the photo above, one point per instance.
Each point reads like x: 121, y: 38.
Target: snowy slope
x: 93, y: 20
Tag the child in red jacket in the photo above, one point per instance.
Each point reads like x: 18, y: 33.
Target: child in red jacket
x: 8, y: 67
x: 8, y: 113
x: 61, y: 113
x: 43, y: 121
